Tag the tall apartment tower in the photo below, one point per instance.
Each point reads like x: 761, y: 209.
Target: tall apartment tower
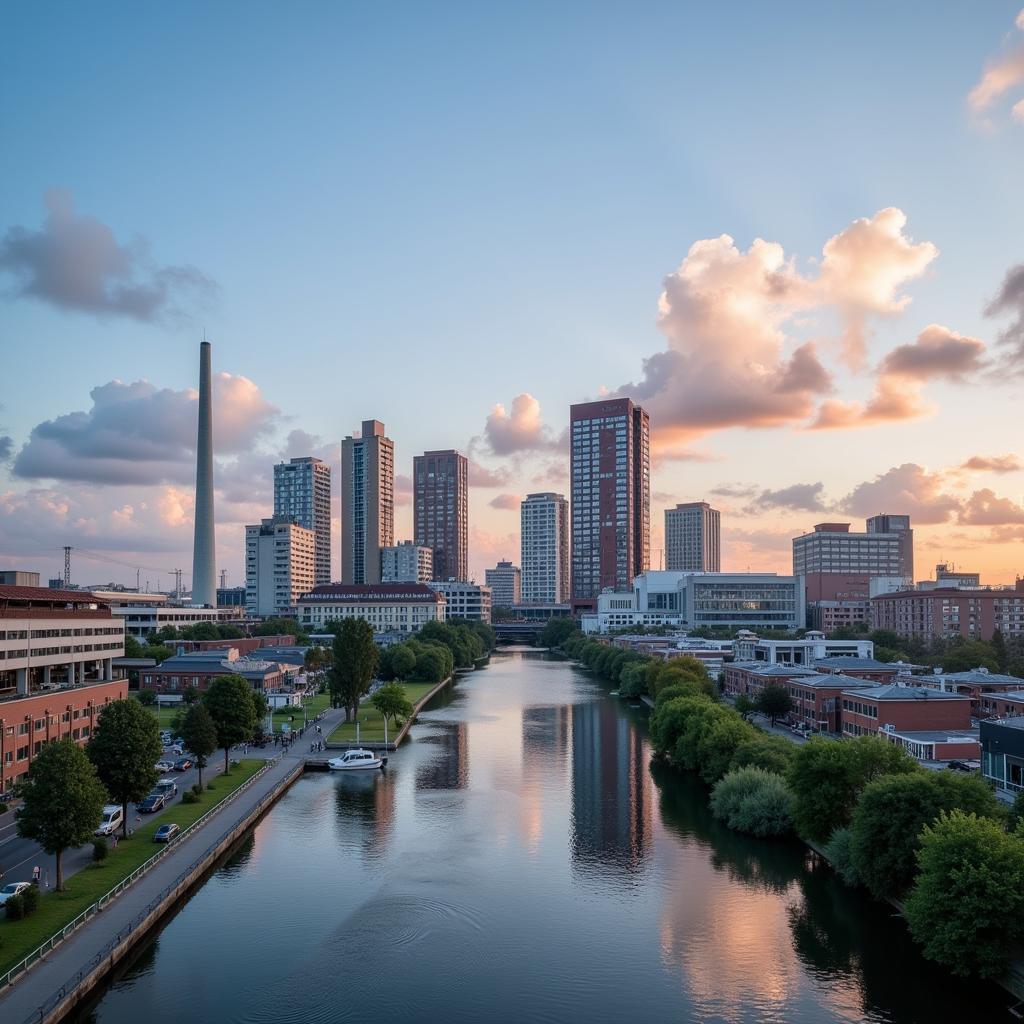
x: 302, y: 491
x: 899, y: 526
x: 204, y: 562
x: 441, y: 511
x: 611, y: 496
x: 505, y: 581
x: 693, y: 538
x: 544, y: 548
x: 280, y: 558
x: 367, y: 502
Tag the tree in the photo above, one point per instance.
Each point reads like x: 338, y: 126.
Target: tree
x: 63, y: 801
x: 200, y: 735
x: 355, y: 661
x: 260, y: 710
x: 392, y: 702
x: 430, y: 664
x: 999, y: 649
x: 772, y: 753
x: 158, y: 652
x: 556, y: 632
x: 228, y: 699
x: 755, y: 801
x: 744, y: 706
x: 886, y: 826
x: 132, y: 647
x: 124, y: 747
x: 190, y: 696
x: 147, y: 697
x: 403, y: 661
x: 967, y: 906
x: 827, y: 777
x: 774, y: 701
x: 970, y: 654
x: 1016, y: 815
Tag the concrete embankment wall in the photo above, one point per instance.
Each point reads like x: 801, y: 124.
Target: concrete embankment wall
x: 166, y: 903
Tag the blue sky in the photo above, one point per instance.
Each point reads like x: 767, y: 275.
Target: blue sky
x: 415, y: 211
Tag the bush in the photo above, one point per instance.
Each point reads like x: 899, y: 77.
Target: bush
x: 210, y: 785
x: 189, y: 797
x: 1016, y: 812
x: 772, y: 753
x: 840, y: 852
x: 198, y: 789
x: 100, y: 849
x: 755, y: 801
x: 147, y: 697
x: 30, y: 900
x: 15, y: 907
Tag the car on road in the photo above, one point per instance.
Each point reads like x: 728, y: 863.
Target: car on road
x: 113, y: 818
x: 964, y: 766
x: 153, y: 803
x: 165, y: 833
x: 164, y: 766
x: 168, y: 787
x: 13, y: 889
x: 182, y: 764
x: 175, y: 750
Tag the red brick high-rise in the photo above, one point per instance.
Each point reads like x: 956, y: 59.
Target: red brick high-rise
x: 441, y: 511
x: 611, y: 496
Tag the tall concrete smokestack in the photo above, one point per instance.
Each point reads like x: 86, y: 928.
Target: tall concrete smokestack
x: 204, y: 579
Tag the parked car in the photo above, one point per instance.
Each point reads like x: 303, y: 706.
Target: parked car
x: 153, y: 803
x: 168, y: 787
x: 182, y: 764
x: 12, y: 890
x: 174, y: 749
x: 164, y: 766
x: 964, y: 766
x: 165, y: 833
x: 165, y: 737
x: 113, y: 818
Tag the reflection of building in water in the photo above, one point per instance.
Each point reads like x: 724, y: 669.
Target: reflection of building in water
x: 545, y: 734
x: 449, y: 769
x: 544, y: 750
x: 365, y: 809
x: 611, y: 791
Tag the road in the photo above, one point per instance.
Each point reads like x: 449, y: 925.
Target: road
x: 19, y: 856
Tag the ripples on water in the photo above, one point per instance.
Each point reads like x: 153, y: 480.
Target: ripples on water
x: 522, y: 860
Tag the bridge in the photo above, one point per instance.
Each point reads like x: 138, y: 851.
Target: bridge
x: 517, y: 632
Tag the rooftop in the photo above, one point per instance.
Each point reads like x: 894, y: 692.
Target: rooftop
x: 977, y: 675
x: 935, y: 736
x: 370, y: 592
x: 896, y: 692
x: 851, y: 661
x: 833, y: 679
x: 762, y: 668
x: 1017, y: 722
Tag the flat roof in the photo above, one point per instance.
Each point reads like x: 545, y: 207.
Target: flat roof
x: 895, y: 692
x: 852, y: 661
x: 936, y: 736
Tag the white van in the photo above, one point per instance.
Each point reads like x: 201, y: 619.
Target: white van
x: 112, y: 820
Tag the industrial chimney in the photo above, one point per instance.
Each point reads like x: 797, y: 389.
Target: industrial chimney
x: 204, y: 579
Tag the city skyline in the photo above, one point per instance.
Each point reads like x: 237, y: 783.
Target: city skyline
x: 864, y: 314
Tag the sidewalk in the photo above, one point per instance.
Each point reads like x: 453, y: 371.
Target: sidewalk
x: 81, y: 951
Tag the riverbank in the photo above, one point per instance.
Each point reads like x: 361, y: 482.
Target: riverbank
x: 371, y: 722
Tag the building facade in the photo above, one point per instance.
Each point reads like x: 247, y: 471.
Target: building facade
x: 367, y: 502
x: 279, y: 565
x: 465, y: 600
x: 951, y: 611
x: 544, y: 548
x: 302, y: 492
x: 406, y: 562
x: 18, y: 578
x: 693, y: 538
x: 505, y: 583
x: 197, y: 669
x: 441, y: 511
x: 810, y: 648
x: 611, y: 497
x: 896, y: 708
x: 1002, y: 752
x: 231, y: 597
x: 397, y: 608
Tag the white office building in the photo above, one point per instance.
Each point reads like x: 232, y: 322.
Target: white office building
x: 465, y: 600
x: 693, y: 538
x: 280, y: 558
x: 544, y: 551
x: 505, y: 583
x: 302, y: 492
x: 406, y: 562
x: 389, y: 608
x: 144, y: 615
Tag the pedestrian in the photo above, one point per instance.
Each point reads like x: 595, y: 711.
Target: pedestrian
x: 35, y: 874
x: 113, y: 842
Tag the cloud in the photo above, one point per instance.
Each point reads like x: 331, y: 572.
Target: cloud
x: 519, y: 430
x: 798, y: 497
x: 1010, y: 300
x: 486, y: 549
x: 553, y: 473
x: 889, y: 404
x: 403, y: 489
x: 908, y: 489
x: 728, y: 317
x: 992, y: 463
x: 985, y: 508
x: 507, y: 502
x: 6, y: 447
x: 482, y: 476
x: 74, y: 262
x: 734, y: 491
x: 1002, y: 74
x: 138, y: 433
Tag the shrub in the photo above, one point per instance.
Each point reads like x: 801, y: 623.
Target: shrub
x: 198, y: 789
x: 30, y: 900
x: 189, y: 797
x: 1016, y: 812
x: 772, y: 753
x: 755, y: 801
x: 100, y: 849
x: 15, y: 907
x: 147, y: 697
x: 840, y: 852
x: 210, y: 785
x: 3, y: 806
x: 717, y: 744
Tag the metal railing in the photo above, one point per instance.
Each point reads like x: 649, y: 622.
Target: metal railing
x: 58, y: 937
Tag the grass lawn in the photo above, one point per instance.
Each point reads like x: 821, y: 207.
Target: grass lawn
x: 313, y: 706
x: 57, y: 909
x: 371, y: 724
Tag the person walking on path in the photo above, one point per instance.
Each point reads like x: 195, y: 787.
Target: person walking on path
x: 35, y: 874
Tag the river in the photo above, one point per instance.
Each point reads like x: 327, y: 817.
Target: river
x: 522, y: 860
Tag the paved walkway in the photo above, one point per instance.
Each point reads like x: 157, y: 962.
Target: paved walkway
x: 22, y: 1000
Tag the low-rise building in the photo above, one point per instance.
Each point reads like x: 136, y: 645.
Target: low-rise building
x: 388, y: 607
x: 1002, y: 752
x: 817, y: 699
x: 811, y: 647
x: 713, y: 654
x: 751, y: 677
x: 983, y: 687
x: 974, y: 614
x: 1002, y: 705
x: 861, y: 668
x: 469, y: 601
x: 406, y: 562
x: 937, y: 744
x: 901, y: 709
x: 505, y: 583
x: 182, y: 672
x: 146, y: 614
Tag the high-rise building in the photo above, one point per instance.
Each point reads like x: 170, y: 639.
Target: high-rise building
x: 302, y: 491
x: 470, y: 601
x: 367, y: 502
x: 544, y: 548
x: 611, y: 496
x: 406, y: 562
x: 693, y: 538
x: 832, y: 548
x: 204, y: 562
x: 279, y: 565
x: 441, y: 511
x: 505, y: 583
x: 898, y: 526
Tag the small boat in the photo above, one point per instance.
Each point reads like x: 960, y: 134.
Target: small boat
x: 356, y: 760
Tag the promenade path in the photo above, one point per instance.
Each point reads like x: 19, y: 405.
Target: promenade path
x: 21, y: 1001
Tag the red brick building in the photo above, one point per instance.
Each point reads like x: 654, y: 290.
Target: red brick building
x: 27, y: 722
x: 949, y: 611
x: 751, y: 677
x: 983, y: 687
x: 860, y: 668
x: 817, y: 699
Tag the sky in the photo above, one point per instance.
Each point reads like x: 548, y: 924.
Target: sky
x: 793, y: 232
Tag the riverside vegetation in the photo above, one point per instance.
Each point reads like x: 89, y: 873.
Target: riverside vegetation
x: 938, y: 844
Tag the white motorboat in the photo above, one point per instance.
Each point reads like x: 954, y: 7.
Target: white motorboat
x: 356, y: 760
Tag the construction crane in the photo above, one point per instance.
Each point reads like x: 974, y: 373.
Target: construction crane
x: 94, y: 556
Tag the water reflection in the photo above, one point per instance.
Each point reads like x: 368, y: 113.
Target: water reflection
x: 448, y: 767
